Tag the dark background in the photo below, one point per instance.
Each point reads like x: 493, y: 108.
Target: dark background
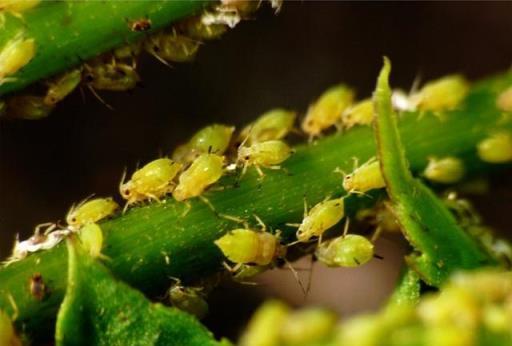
x: 284, y: 60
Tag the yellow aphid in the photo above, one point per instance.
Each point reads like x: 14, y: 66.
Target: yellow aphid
x: 351, y: 250
x: 320, y: 218
x: 244, y: 246
x: 308, y: 326
x: 91, y: 238
x: 111, y: 76
x: 379, y: 217
x: 8, y: 335
x: 28, y: 107
x: 360, y: 114
x: 442, y: 94
x: 62, y: 86
x: 189, y: 299
x: 496, y: 148
x: 504, y: 100
x: 364, y: 178
x: 15, y: 54
x: 211, y: 139
x: 152, y: 181
x: 203, y: 172
x: 327, y: 110
x: 445, y: 170
x: 128, y: 52
x: 274, y: 124
x: 91, y: 211
x: 172, y: 47
x: 264, y: 328
x: 17, y: 6
x: 197, y: 30
x: 267, y: 154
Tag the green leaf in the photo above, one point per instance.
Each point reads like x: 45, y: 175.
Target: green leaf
x: 442, y: 245
x: 99, y: 310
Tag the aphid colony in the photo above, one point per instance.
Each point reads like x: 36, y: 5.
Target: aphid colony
x: 116, y: 70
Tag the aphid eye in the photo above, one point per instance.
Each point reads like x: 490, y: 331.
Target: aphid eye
x: 73, y: 219
x: 247, y: 157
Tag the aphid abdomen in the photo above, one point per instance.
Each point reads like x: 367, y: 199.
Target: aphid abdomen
x: 350, y: 250
x: 15, y: 54
x: 443, y: 94
x: 156, y: 177
x: 204, y: 171
x: 240, y: 245
x: 91, y: 211
x: 496, y: 148
x: 62, y: 86
x: 446, y: 170
x: 212, y: 139
x: 320, y: 218
x: 359, y: 114
x: 270, y: 153
x: 267, y: 248
x: 365, y: 178
x: 272, y: 125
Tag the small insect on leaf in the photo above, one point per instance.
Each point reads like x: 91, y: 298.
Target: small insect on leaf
x: 497, y: 148
x: 37, y: 287
x: 272, y: 125
x: 327, y: 110
x: 211, y: 139
x: 244, y: 246
x: 15, y: 54
x: 320, y: 218
x: 189, y: 299
x: 91, y: 211
x: 62, y: 86
x: 110, y: 76
x: 351, y: 250
x: 91, y: 239
x: 446, y: 170
x: 28, y: 107
x: 264, y: 328
x: 359, y: 114
x: 504, y: 100
x: 172, y: 47
x: 8, y: 335
x: 364, y: 178
x: 206, y: 170
x: 153, y: 181
x: 16, y: 7
x: 140, y: 25
x: 308, y: 326
x: 267, y: 154
x: 442, y: 94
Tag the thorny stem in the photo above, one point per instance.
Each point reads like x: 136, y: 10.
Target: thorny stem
x: 68, y: 32
x: 150, y: 244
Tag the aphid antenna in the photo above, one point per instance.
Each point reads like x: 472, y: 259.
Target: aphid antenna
x: 346, y: 227
x: 296, y: 276
x: 376, y: 234
x: 162, y: 60
x: 49, y: 226
x: 91, y: 89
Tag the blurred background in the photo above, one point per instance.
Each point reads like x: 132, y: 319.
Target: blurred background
x: 285, y: 60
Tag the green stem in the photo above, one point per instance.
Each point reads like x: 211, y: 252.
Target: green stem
x: 149, y: 244
x: 68, y: 32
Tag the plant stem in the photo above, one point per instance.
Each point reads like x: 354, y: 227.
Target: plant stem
x: 66, y: 33
x: 149, y: 244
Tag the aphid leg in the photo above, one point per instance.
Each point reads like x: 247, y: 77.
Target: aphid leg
x: 260, y: 172
x: 345, y: 229
x: 162, y: 60
x: 208, y: 204
x: 188, y: 206
x: 99, y: 98
x: 376, y: 234
x: 260, y: 222
x: 296, y: 276
x: 48, y: 226
x: 235, y: 219
x: 292, y: 224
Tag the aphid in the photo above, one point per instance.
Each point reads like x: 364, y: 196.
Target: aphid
x: 308, y: 326
x: 267, y: 154
x: 110, y: 76
x: 349, y: 250
x: 272, y: 125
x: 90, y: 211
x: 140, y: 25
x: 211, y: 139
x: 327, y: 110
x: 264, y: 328
x: 197, y: 30
x: 359, y: 114
x: 15, y: 8
x: 37, y: 287
x: 8, y: 335
x: 504, y: 100
x: 189, y: 299
x: 61, y: 87
x: 496, y: 148
x: 36, y: 243
x: 380, y: 217
x: 171, y: 47
x: 91, y: 239
x: 445, y: 170
x: 152, y: 181
x: 245, y: 246
x: 442, y: 94
x: 129, y: 52
x: 320, y: 218
x: 28, y: 107
x: 15, y: 54
x: 203, y: 172
x: 364, y: 178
